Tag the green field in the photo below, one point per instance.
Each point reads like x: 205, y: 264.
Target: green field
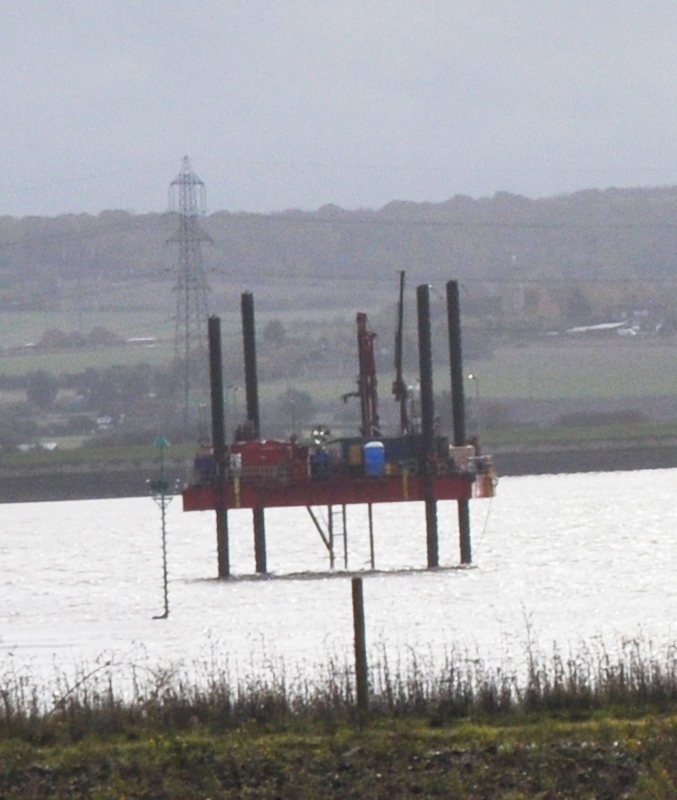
x: 129, y: 455
x: 21, y: 327
x: 603, y: 369
x: 19, y: 330
x: 545, y: 368
x: 74, y: 361
x: 582, y: 434
x: 539, y: 371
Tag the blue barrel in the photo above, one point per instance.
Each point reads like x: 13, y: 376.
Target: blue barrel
x: 374, y: 459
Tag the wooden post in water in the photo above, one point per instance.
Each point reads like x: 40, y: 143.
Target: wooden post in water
x: 429, y: 464
x: 218, y: 445
x: 361, y: 674
x: 458, y: 406
x: 372, y: 560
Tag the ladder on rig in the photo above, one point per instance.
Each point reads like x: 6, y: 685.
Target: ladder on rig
x: 331, y: 530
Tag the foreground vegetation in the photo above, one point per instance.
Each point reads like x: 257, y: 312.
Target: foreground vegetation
x: 544, y: 758
x: 586, y: 725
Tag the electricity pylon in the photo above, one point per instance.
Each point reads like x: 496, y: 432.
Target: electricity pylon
x: 187, y: 197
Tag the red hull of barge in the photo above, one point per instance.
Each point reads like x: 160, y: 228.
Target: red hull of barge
x: 337, y: 490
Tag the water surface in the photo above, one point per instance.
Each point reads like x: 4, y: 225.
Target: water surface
x: 556, y: 558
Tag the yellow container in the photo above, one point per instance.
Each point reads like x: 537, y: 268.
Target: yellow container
x: 355, y: 455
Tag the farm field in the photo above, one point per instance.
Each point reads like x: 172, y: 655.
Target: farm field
x: 18, y: 328
x: 581, y: 369
x: 20, y: 331
x: 534, y: 371
x: 539, y: 369
x: 78, y: 360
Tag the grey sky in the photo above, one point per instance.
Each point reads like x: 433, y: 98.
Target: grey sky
x: 300, y: 103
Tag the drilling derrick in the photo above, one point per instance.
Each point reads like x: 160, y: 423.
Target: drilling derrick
x: 187, y: 198
x: 366, y: 381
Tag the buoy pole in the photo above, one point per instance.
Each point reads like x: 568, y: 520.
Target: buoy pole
x: 163, y: 497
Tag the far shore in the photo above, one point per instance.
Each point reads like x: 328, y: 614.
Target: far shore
x: 609, y: 456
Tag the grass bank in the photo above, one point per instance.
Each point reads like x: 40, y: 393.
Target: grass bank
x: 588, y: 724
x: 543, y: 758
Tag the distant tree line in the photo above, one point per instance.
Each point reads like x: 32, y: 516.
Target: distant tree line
x: 565, y: 259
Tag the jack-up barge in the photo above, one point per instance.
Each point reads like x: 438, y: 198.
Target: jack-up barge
x: 417, y: 465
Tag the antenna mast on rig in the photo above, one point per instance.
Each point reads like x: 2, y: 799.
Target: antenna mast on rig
x: 187, y: 197
x: 400, y: 391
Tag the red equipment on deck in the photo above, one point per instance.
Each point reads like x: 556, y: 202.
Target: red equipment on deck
x: 272, y: 473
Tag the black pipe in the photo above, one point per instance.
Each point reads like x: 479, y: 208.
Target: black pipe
x: 456, y: 364
x: 252, y: 392
x: 216, y: 386
x: 218, y: 444
x: 427, y: 420
x: 250, y: 377
x: 458, y: 407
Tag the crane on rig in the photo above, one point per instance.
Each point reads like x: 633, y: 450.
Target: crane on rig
x: 367, y: 385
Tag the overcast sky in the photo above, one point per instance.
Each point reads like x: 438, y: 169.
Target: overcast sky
x: 299, y: 103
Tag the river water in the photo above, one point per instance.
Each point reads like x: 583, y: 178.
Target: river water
x: 556, y: 558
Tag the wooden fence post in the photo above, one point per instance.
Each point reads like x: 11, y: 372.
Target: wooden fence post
x: 361, y: 679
